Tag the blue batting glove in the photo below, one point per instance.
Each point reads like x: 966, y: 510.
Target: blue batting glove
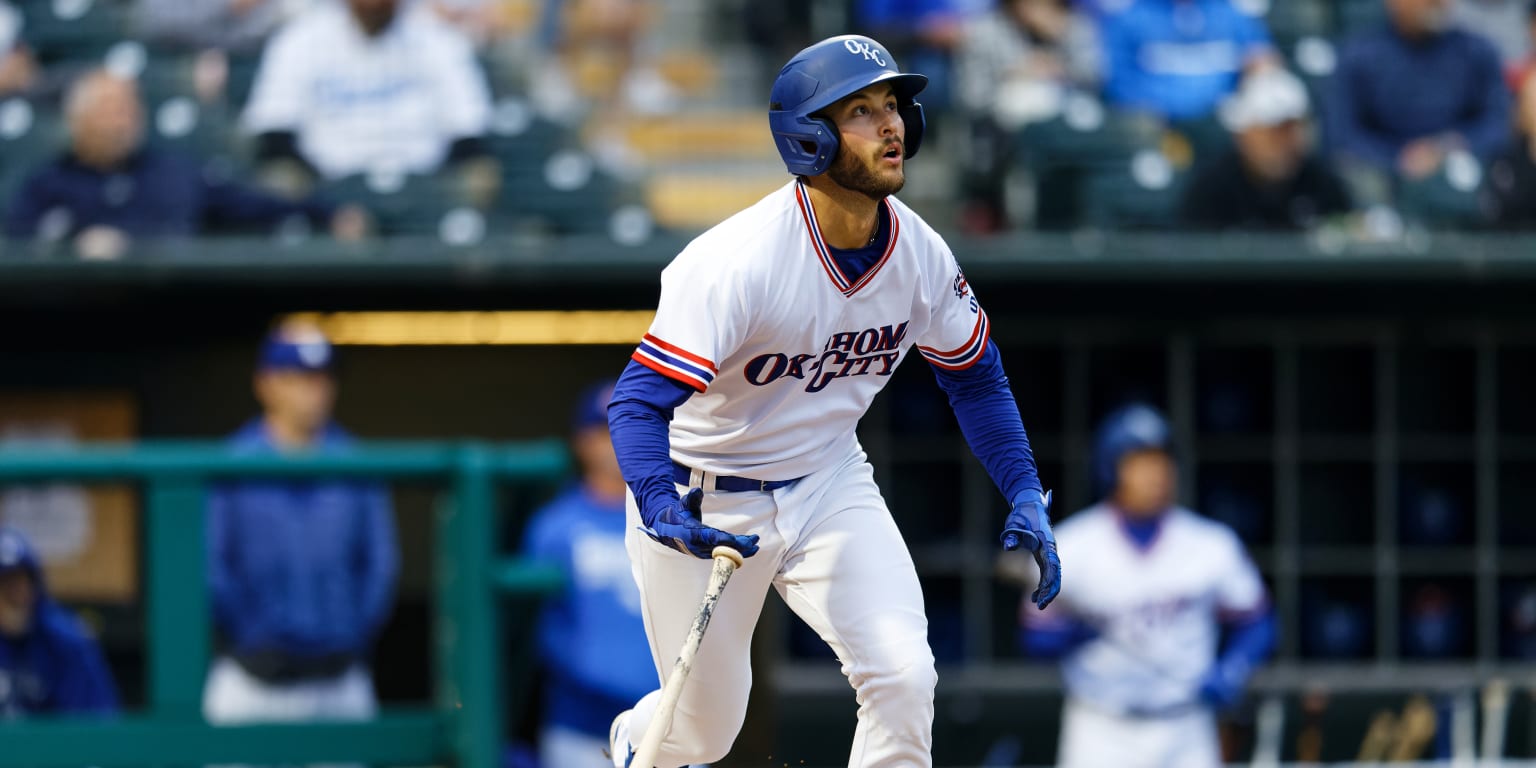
x: 678, y: 527
x: 1222, y: 686
x: 1029, y: 526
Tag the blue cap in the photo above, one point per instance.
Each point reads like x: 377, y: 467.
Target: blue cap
x: 592, y: 406
x: 14, y: 550
x: 295, y: 348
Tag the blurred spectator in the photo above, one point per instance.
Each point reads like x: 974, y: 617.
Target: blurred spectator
x: 1013, y: 64
x: 1517, y: 72
x: 1166, y: 620
x: 1016, y: 65
x: 923, y: 35
x: 233, y: 26
x: 370, y: 87
x: 1270, y: 179
x: 1407, y: 94
x: 1434, y: 624
x: 1512, y: 176
x: 301, y: 573
x: 1178, y: 58
x: 18, y: 71
x: 1522, y: 69
x: 49, y: 665
x: 1501, y: 22
x: 109, y: 188
x: 591, y: 638
x: 603, y: 55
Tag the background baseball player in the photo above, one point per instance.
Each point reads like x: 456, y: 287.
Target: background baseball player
x: 1140, y: 634
x: 49, y: 663
x: 591, y: 639
x: 774, y: 332
x: 302, y: 573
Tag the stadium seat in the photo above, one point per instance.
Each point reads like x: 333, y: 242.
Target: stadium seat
x: 697, y: 201
x: 1060, y: 154
x: 1143, y: 194
x: 1292, y: 20
x: 73, y: 30
x: 400, y: 205
x: 1450, y: 198
x: 30, y: 135
x: 1353, y: 16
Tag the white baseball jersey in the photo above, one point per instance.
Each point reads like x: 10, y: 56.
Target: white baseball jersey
x: 1157, y: 610
x: 785, y: 350
x: 393, y: 103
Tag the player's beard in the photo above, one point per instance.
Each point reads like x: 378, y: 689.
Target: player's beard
x: 854, y: 173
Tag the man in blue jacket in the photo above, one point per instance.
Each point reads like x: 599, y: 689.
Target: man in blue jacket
x: 48, y: 663
x: 110, y: 187
x: 591, y: 639
x: 1411, y: 91
x: 301, y: 573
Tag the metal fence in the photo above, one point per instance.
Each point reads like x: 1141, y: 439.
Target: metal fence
x: 462, y: 726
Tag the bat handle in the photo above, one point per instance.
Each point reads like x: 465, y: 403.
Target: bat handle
x: 728, y: 553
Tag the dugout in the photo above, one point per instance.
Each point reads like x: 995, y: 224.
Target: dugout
x: 1320, y: 391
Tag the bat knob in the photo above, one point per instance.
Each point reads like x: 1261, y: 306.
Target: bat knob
x: 728, y: 553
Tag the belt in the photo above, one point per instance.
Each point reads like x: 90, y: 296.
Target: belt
x: 709, y: 481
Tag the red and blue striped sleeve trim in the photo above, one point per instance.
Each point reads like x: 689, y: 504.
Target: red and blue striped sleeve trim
x: 966, y: 355
x: 675, y: 362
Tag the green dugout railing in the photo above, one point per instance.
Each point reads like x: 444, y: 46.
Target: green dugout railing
x: 463, y: 725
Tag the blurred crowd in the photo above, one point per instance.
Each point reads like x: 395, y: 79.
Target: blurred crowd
x: 126, y: 119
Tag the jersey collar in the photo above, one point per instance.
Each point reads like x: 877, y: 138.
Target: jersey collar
x: 844, y: 284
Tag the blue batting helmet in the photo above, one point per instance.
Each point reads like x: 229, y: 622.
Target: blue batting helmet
x: 819, y: 76
x: 1135, y: 427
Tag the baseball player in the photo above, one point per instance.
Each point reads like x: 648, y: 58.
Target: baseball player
x: 734, y: 420
x: 301, y: 573
x: 49, y: 663
x: 1154, y: 588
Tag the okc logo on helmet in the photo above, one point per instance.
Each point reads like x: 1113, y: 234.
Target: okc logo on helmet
x: 861, y: 48
x: 848, y: 353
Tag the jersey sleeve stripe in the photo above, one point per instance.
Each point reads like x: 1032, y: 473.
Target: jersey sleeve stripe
x: 668, y: 371
x: 965, y: 355
x: 679, y: 352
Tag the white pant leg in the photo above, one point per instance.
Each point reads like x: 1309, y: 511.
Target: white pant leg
x: 848, y: 575
x: 566, y: 748
x: 233, y: 696
x: 713, y: 705
x: 1092, y: 738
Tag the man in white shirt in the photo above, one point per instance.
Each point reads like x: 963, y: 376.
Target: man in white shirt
x: 369, y: 87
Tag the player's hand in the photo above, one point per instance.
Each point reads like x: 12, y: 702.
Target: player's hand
x: 1029, y: 526
x: 1222, y: 686
x: 678, y: 527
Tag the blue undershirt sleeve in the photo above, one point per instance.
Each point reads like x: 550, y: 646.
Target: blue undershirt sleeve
x: 1248, y: 643
x: 989, y: 419
x: 638, y: 416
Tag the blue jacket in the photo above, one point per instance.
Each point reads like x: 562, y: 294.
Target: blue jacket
x: 303, y: 568
x: 157, y: 193
x: 591, y: 638
x: 1389, y: 91
x: 56, y: 668
x: 1177, y: 58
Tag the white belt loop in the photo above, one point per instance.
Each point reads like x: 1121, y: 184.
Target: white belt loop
x: 698, y: 478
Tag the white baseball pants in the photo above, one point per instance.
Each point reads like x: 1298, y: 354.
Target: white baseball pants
x: 830, y: 548
x: 1093, y: 738
x: 233, y: 696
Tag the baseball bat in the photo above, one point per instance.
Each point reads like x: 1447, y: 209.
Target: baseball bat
x: 727, y: 560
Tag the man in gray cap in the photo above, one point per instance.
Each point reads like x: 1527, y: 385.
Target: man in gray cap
x: 1270, y: 179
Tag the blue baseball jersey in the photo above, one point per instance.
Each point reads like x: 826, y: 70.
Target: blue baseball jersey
x: 591, y: 637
